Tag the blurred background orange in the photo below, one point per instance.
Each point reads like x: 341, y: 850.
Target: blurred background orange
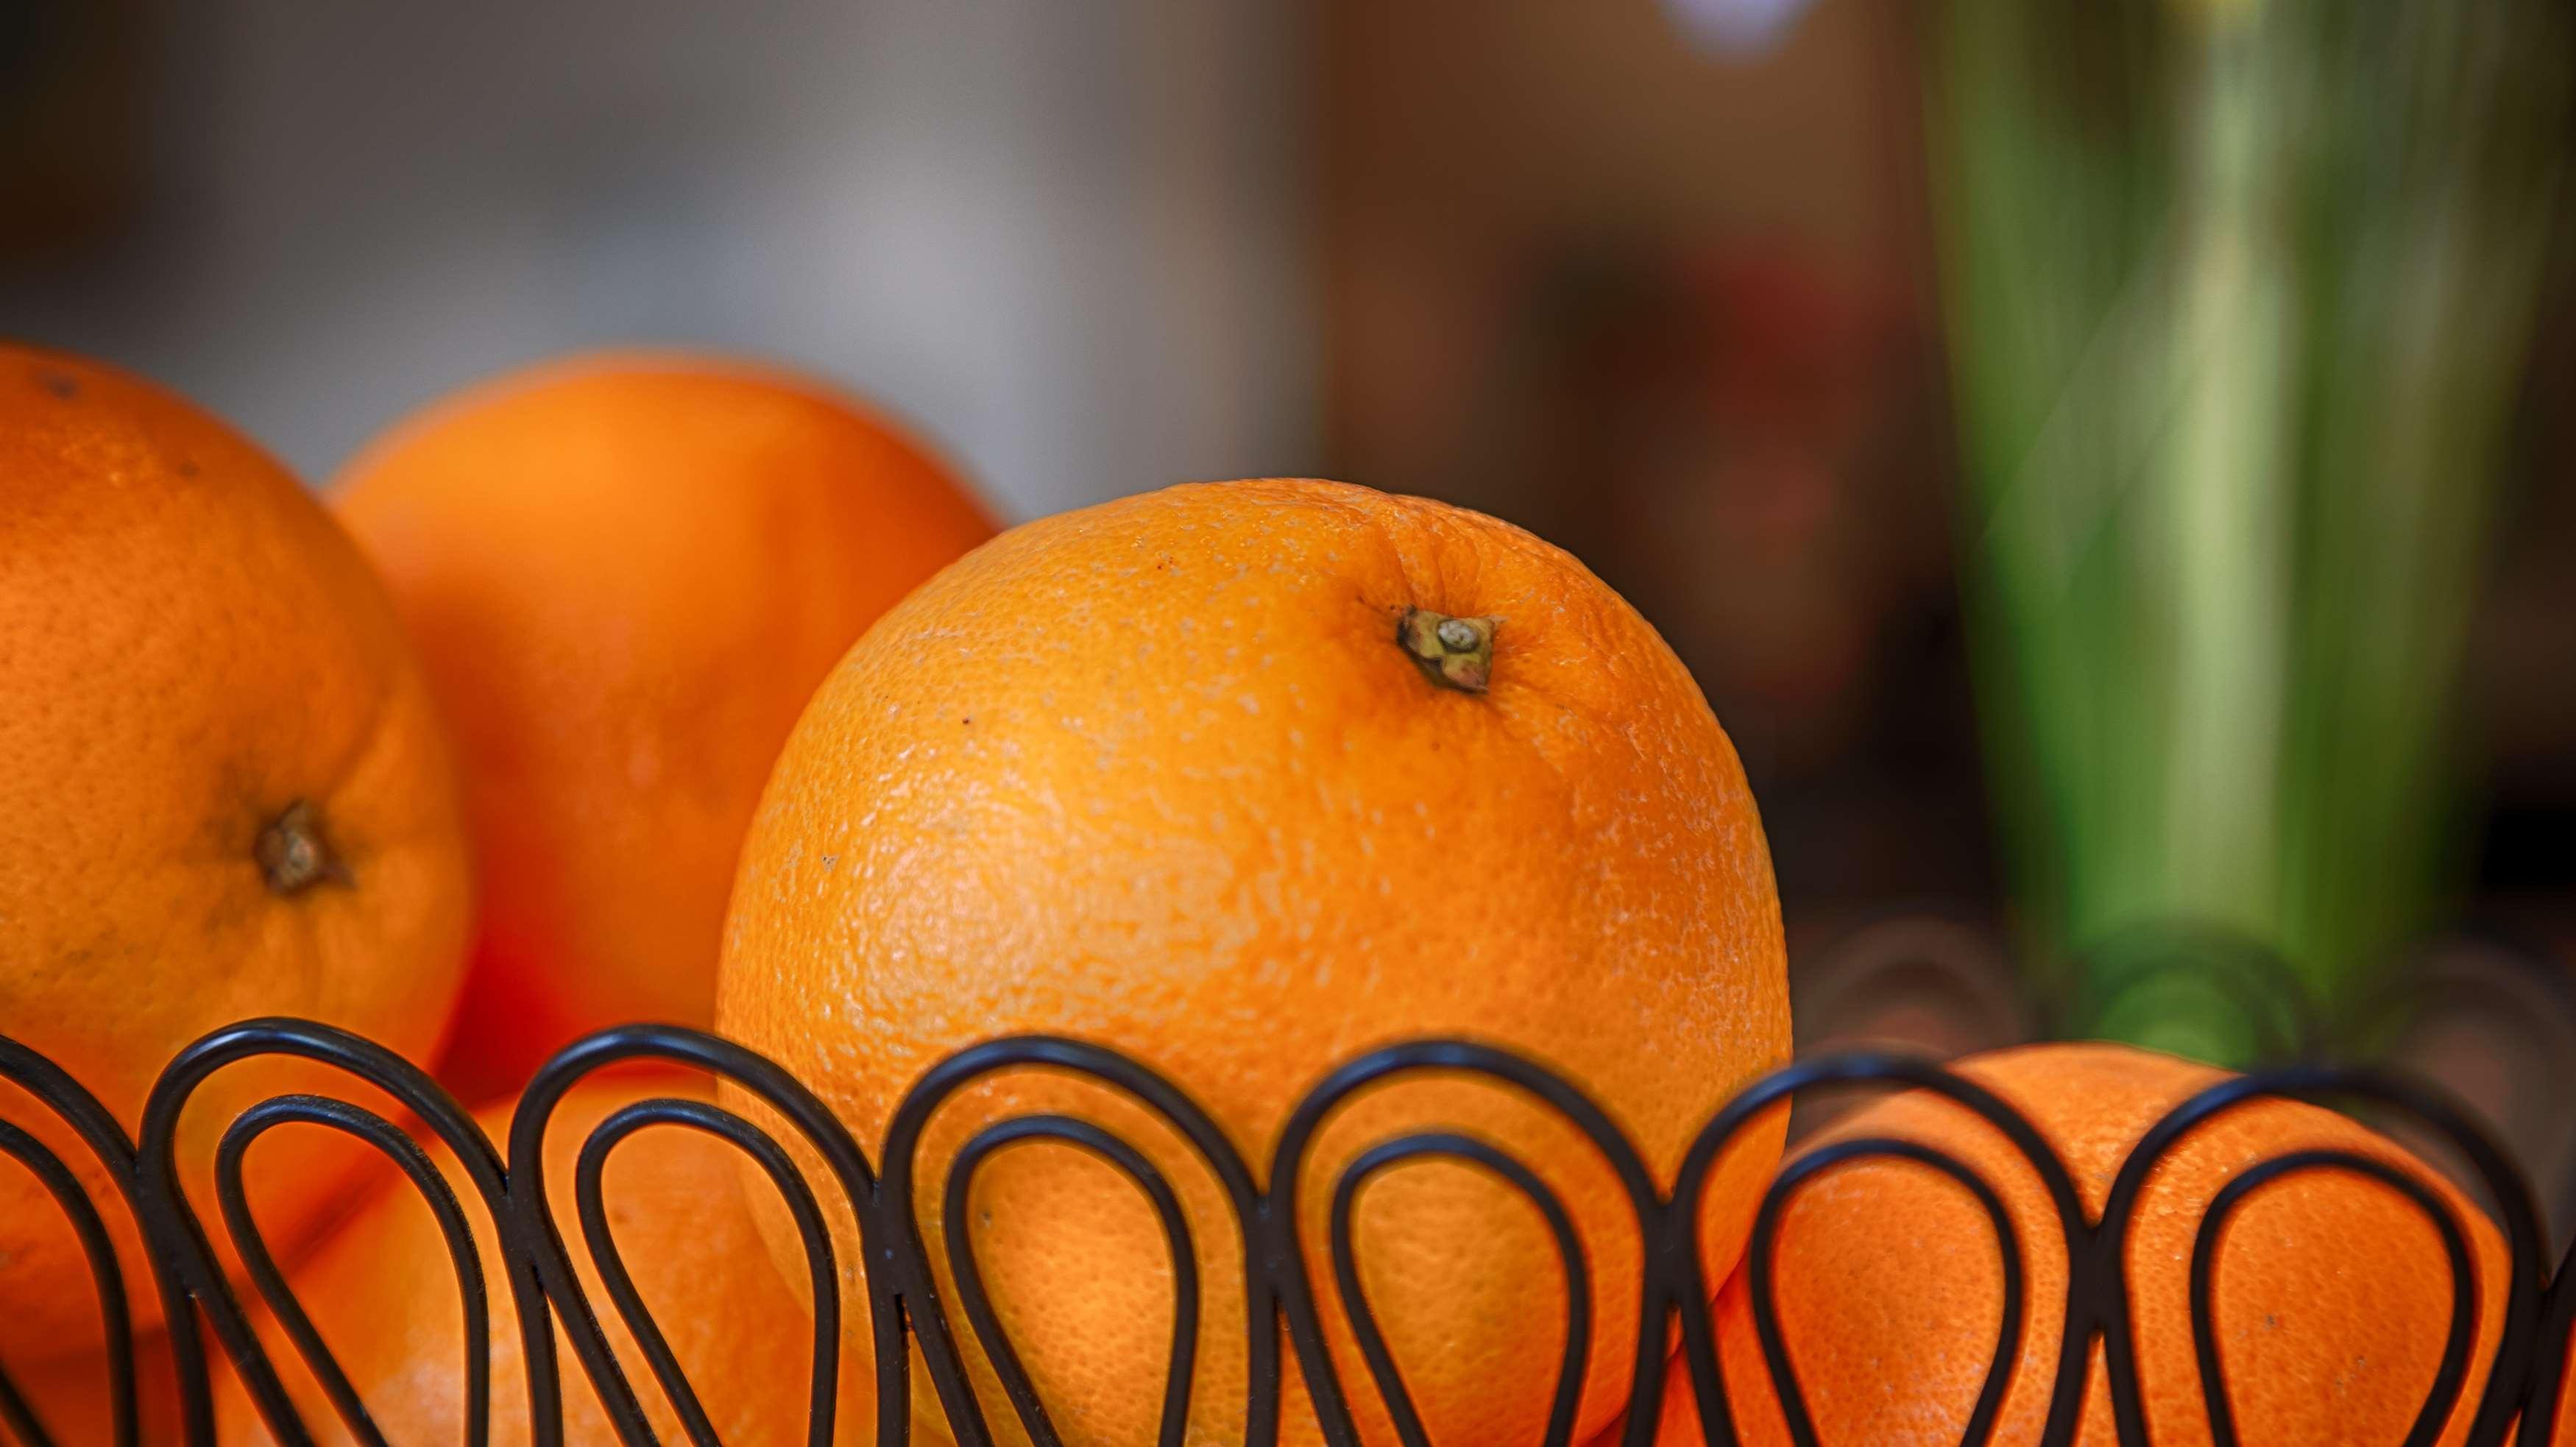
x: 1660, y: 281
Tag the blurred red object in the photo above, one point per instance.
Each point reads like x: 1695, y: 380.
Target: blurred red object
x: 1742, y: 440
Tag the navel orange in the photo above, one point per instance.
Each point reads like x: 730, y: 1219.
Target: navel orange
x: 625, y: 573
x: 2332, y: 1293
x: 1244, y: 779
x: 382, y: 1292
x: 223, y: 793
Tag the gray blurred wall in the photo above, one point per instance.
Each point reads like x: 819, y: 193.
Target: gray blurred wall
x: 1066, y: 237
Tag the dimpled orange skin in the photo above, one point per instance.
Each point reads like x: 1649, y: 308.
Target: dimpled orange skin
x: 1158, y: 774
x: 381, y: 1291
x: 189, y: 647
x: 625, y: 573
x: 2332, y: 1293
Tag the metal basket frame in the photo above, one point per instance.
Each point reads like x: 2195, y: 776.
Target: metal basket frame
x: 906, y: 1306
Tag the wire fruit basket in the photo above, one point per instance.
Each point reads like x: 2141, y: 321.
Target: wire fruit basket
x: 906, y: 1308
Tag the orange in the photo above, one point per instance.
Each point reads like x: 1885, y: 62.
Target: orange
x: 625, y: 573
x: 382, y: 1291
x: 1243, y: 779
x: 2565, y: 1433
x: 71, y: 1400
x: 223, y: 793
x: 2332, y: 1293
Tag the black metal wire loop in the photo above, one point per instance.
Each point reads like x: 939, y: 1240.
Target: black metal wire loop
x: 2523, y: 1370
x: 824, y: 1278
x: 910, y: 1274
x: 184, y: 1255
x: 536, y: 1236
x: 2508, y: 1193
x: 1363, y: 1321
x: 1761, y: 1256
x: 1180, y: 1360
x: 106, y: 1276
x: 70, y: 1102
x: 2447, y: 1377
x: 1474, y: 1060
x: 1772, y: 1092
x: 2262, y: 985
x: 389, y: 1141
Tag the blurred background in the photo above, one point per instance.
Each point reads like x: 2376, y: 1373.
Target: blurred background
x: 2108, y: 466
